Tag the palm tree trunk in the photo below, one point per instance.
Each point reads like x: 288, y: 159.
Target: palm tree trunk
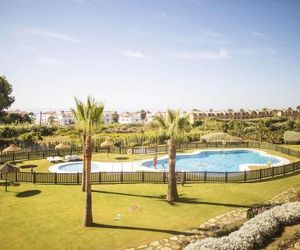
x: 84, y: 163
x: 172, y: 194
x: 88, y: 215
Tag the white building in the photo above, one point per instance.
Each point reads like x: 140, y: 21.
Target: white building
x: 108, y: 117
x: 129, y: 118
x: 57, y: 117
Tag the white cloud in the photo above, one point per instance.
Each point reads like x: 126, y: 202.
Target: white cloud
x: 134, y: 54
x: 45, y: 33
x: 205, y: 55
x: 258, y: 34
x: 31, y: 49
x: 257, y: 51
x: 41, y: 57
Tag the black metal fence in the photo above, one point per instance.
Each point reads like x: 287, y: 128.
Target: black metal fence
x: 158, y: 177
x: 153, y: 177
x: 40, y: 154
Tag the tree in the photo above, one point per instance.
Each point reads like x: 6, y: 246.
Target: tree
x: 89, y: 116
x: 261, y: 129
x: 51, y: 120
x: 115, y: 117
x: 143, y: 115
x: 172, y: 125
x: 6, y: 100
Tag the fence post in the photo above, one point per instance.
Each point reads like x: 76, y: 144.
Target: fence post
x: 55, y: 178
x: 16, y: 176
x: 205, y: 176
x: 260, y: 173
x: 34, y: 177
x: 245, y: 176
x: 283, y: 169
x: 184, y: 177
x: 77, y: 177
x: 143, y: 177
x: 13, y: 154
x: 293, y: 167
x: 99, y: 177
x: 164, y: 177
x: 226, y: 176
x: 28, y: 156
x: 272, y: 172
x: 121, y: 177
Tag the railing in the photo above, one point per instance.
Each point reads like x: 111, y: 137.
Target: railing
x: 158, y: 177
x: 153, y: 177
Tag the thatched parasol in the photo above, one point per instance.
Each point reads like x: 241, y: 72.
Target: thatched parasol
x: 62, y: 146
x: 8, y: 168
x: 106, y: 144
x: 11, y: 148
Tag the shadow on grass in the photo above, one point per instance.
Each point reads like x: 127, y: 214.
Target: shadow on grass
x: 182, y: 199
x: 12, y: 184
x: 28, y: 193
x: 186, y: 200
x: 134, y: 195
x: 141, y: 229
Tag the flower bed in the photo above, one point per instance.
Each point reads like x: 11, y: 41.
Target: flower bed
x: 254, y: 232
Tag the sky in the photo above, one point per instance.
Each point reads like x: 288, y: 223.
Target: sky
x: 158, y: 54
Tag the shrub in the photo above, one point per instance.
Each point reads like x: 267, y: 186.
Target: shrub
x: 219, y: 137
x: 291, y: 137
x: 254, y: 233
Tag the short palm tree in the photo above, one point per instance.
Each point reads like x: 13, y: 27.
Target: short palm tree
x: 172, y: 124
x: 89, y: 116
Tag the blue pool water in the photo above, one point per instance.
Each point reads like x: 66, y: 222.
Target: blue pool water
x: 215, y: 160
x: 75, y: 167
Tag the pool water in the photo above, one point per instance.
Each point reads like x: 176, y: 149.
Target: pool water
x: 215, y: 161
x: 75, y: 167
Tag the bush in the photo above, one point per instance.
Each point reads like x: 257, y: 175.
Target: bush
x: 291, y: 137
x: 255, y: 232
x: 219, y: 137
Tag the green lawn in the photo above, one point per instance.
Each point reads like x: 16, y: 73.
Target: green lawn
x: 296, y: 147
x: 51, y: 219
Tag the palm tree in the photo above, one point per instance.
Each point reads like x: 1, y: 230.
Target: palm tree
x: 172, y: 124
x: 89, y: 116
x: 79, y: 117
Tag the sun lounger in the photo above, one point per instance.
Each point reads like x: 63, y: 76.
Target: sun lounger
x: 53, y: 159
x: 72, y: 158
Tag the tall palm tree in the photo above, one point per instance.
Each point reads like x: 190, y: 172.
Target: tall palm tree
x: 79, y: 117
x: 89, y: 116
x: 172, y: 124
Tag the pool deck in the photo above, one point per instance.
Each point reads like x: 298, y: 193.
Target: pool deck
x: 135, y: 166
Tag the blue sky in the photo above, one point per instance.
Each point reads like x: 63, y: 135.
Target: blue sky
x: 134, y: 54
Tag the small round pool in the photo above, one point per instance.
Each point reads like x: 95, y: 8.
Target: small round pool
x: 74, y: 167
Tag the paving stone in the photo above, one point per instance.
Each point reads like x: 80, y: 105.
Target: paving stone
x: 297, y: 245
x: 142, y: 247
x: 154, y: 244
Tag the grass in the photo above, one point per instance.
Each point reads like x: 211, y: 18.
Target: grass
x: 296, y: 147
x: 49, y: 216
x: 43, y: 164
x: 287, y: 238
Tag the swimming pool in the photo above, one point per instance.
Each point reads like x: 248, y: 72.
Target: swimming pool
x: 219, y: 160
x: 230, y: 160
